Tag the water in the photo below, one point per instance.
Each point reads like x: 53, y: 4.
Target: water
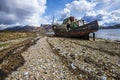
x: 50, y: 33
x: 110, y: 34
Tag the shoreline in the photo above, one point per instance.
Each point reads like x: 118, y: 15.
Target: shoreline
x: 106, y: 39
x: 108, y: 34
x: 52, y: 35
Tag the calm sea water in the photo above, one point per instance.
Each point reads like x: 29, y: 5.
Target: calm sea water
x: 110, y: 34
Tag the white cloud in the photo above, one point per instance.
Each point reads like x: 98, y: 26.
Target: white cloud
x: 107, y: 12
x: 104, y: 17
x: 78, y: 7
x: 116, y: 13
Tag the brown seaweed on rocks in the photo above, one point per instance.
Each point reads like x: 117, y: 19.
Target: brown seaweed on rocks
x: 13, y: 59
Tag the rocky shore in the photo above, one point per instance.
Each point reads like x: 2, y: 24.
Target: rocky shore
x: 53, y: 58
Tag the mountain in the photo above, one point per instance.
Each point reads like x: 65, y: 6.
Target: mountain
x: 117, y: 26
x: 47, y: 27
x: 1, y: 28
x: 26, y: 28
x: 20, y: 28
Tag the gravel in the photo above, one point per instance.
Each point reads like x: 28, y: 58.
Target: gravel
x: 42, y: 64
x: 70, y: 59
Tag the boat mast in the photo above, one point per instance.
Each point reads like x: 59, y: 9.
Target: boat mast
x: 53, y: 19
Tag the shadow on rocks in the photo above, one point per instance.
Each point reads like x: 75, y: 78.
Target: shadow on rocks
x: 11, y: 64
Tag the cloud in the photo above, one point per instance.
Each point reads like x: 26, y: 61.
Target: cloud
x: 96, y: 15
x: 104, y: 17
x: 107, y: 12
x: 65, y: 13
x: 22, y: 12
x: 78, y: 7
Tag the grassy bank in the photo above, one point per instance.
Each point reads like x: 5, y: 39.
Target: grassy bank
x: 4, y: 44
x: 7, y: 35
x: 8, y: 38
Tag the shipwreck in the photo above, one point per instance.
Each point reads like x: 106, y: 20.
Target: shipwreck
x: 71, y: 27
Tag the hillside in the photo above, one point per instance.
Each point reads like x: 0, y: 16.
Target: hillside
x: 117, y: 26
x: 20, y: 28
x: 25, y: 28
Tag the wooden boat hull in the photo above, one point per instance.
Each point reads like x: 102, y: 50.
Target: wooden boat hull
x: 81, y: 31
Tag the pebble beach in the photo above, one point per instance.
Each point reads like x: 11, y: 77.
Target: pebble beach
x: 54, y: 58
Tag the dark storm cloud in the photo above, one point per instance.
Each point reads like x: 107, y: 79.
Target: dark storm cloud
x: 6, y: 18
x: 6, y: 13
x: 13, y: 11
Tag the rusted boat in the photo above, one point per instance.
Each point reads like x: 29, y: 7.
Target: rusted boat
x: 72, y: 27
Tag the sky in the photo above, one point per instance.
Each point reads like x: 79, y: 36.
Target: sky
x: 37, y: 12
